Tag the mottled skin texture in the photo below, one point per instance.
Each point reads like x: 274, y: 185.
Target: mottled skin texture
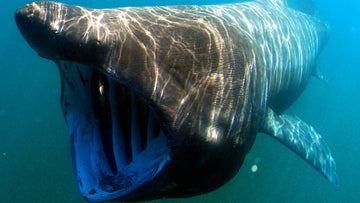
x: 209, y: 74
x: 148, y: 47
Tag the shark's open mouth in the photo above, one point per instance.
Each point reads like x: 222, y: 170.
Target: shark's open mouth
x: 117, y: 142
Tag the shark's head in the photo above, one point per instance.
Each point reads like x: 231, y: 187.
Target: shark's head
x: 155, y: 104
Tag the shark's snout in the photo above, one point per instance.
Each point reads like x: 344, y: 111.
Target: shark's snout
x: 28, y: 11
x: 32, y: 22
x: 27, y: 23
x: 45, y: 26
x: 23, y: 12
x: 38, y: 13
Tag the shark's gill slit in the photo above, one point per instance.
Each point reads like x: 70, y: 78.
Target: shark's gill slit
x: 153, y: 128
x: 102, y: 113
x: 139, y: 112
x: 118, y: 134
x: 122, y: 104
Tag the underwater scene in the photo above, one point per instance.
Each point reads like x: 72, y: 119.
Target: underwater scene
x: 37, y: 150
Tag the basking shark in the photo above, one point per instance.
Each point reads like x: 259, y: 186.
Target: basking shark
x: 167, y: 101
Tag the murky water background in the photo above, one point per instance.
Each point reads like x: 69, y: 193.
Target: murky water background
x: 35, y: 162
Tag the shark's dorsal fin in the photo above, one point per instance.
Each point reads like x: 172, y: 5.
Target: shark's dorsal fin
x: 303, y: 140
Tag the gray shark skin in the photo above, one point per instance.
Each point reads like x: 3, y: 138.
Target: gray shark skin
x: 167, y: 101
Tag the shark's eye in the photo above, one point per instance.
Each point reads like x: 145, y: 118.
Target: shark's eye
x: 101, y: 88
x: 100, y: 99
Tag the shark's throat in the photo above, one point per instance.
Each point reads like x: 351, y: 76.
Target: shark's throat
x: 117, y: 142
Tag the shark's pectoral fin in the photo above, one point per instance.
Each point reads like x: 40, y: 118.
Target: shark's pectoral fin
x: 303, y: 140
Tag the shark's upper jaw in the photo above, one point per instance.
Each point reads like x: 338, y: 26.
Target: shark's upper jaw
x: 117, y: 142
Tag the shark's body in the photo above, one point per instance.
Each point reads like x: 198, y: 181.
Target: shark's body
x: 167, y: 101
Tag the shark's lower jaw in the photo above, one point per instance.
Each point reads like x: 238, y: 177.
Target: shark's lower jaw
x: 117, y: 143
